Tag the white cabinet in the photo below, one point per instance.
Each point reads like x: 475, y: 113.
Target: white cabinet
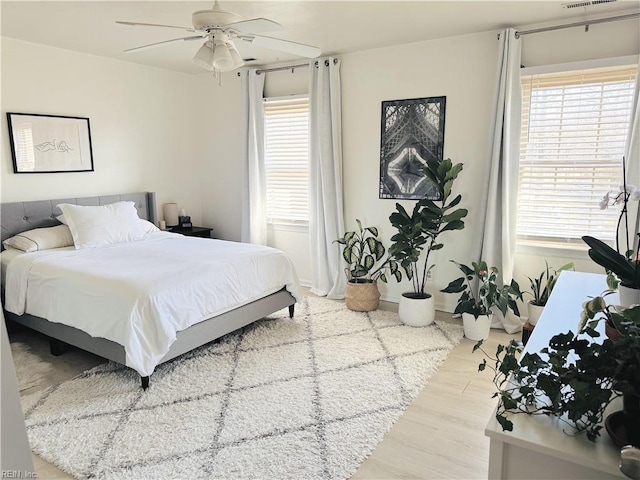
x: 538, y: 447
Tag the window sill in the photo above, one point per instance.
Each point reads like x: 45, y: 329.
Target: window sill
x: 288, y: 227
x: 556, y: 249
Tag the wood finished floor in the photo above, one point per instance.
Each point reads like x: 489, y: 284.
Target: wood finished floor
x: 440, y: 436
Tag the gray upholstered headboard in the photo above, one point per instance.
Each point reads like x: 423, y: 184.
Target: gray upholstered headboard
x: 18, y: 217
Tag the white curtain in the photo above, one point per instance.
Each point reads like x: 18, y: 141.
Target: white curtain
x: 326, y: 222
x: 499, y: 238
x: 632, y: 157
x: 254, y: 219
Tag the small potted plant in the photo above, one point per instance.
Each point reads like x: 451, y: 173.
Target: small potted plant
x: 417, y: 236
x: 541, y: 288
x: 476, y: 302
x: 576, y: 377
x: 365, y: 255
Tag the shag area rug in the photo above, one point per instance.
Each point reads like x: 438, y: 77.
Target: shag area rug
x: 30, y: 369
x: 302, y: 398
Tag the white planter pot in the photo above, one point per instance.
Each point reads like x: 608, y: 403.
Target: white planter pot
x: 476, y: 328
x: 535, y: 311
x: 628, y: 296
x: 416, y: 312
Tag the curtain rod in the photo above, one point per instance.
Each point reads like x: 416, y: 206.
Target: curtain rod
x: 579, y: 24
x: 290, y: 67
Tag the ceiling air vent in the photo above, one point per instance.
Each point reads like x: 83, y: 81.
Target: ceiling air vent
x: 586, y: 3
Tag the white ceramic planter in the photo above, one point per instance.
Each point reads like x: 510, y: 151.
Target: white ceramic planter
x: 416, y: 312
x: 476, y: 328
x: 535, y: 311
x: 628, y: 296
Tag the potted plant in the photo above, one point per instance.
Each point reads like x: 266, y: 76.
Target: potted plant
x: 623, y: 269
x: 480, y: 294
x: 365, y: 255
x: 417, y: 236
x: 576, y: 377
x: 541, y: 288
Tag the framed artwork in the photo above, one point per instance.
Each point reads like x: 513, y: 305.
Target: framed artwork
x: 49, y: 143
x: 412, y: 131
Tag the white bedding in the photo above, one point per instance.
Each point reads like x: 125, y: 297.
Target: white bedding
x: 139, y: 294
x: 6, y: 256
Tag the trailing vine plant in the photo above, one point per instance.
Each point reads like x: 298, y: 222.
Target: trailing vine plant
x: 575, y: 378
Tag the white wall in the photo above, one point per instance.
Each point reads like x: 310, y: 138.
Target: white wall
x: 142, y: 124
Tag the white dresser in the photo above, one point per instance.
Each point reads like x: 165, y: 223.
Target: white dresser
x: 537, y: 447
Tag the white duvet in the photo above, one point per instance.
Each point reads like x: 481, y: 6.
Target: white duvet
x: 139, y: 294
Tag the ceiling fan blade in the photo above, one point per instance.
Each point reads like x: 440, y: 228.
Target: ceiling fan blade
x: 135, y: 24
x: 152, y: 45
x: 283, y: 46
x: 255, y: 25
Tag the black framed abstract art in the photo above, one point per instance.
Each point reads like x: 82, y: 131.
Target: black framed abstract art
x: 49, y: 143
x: 412, y: 131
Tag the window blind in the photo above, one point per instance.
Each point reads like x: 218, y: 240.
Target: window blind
x: 287, y: 159
x: 574, y: 128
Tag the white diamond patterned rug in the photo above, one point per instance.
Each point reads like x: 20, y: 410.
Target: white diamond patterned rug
x: 308, y: 397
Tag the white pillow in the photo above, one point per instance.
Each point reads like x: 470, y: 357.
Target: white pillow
x: 147, y: 226
x: 41, y: 239
x: 102, y: 225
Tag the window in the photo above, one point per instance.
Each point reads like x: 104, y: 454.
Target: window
x: 286, y: 158
x: 574, y: 128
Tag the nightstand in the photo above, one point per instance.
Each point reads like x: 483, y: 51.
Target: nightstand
x: 203, y: 232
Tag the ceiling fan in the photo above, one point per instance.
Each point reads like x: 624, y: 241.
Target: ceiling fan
x: 220, y: 28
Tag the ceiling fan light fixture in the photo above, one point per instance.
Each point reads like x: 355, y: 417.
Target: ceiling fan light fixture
x: 235, y: 56
x: 204, y: 56
x: 222, y: 58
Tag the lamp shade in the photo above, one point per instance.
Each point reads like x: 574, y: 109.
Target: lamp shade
x: 222, y: 58
x: 204, y: 56
x: 235, y: 56
x: 171, y: 214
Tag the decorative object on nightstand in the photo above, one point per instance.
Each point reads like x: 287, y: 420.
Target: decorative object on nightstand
x: 170, y: 211
x: 204, y: 232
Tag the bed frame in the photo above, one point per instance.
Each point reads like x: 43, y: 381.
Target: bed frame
x: 21, y: 216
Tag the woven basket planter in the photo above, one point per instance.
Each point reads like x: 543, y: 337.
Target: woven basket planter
x: 362, y: 297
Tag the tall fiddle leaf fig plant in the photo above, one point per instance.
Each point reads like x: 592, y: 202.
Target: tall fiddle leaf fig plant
x: 418, y: 232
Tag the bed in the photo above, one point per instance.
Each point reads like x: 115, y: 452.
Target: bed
x: 189, y: 332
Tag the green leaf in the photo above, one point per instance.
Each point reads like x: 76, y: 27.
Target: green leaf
x: 346, y: 254
x: 373, y: 230
x: 454, y: 171
x: 507, y: 425
x: 369, y: 262
x: 455, y: 215
x: 454, y: 202
x: 455, y: 225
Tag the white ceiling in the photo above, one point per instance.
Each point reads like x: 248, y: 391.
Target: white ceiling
x: 334, y: 26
